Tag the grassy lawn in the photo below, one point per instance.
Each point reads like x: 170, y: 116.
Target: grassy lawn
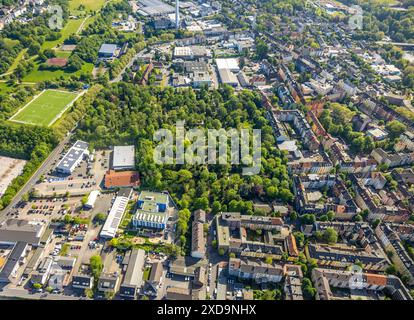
x: 10, y: 43
x: 44, y: 109
x: 70, y: 28
x: 129, y: 214
x: 147, y: 273
x: 62, y: 54
x: 92, y: 5
x: 64, y: 250
x: 17, y: 60
x: 37, y: 75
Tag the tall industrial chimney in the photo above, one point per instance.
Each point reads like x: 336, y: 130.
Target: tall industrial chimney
x: 177, y: 14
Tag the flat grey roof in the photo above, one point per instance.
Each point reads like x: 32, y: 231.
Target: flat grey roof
x: 156, y: 272
x: 34, y: 261
x: 108, y: 48
x: 134, y: 273
x: 155, y: 7
x: 123, y: 156
x: 13, y: 260
x: 226, y: 76
x: 17, y: 230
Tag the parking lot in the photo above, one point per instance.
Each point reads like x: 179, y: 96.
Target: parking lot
x: 177, y: 281
x: 87, y: 176
x: 45, y: 209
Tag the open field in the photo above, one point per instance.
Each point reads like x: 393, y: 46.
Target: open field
x: 92, y: 5
x: 10, y: 168
x: 45, y: 108
x: 37, y: 75
x: 70, y: 28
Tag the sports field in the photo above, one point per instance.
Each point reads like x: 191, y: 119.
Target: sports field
x: 46, y: 108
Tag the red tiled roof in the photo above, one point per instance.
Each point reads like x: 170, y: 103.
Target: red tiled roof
x: 376, y: 279
x: 291, y: 245
x: 121, y: 179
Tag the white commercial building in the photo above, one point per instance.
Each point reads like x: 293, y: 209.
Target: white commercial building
x: 231, y: 64
x: 115, y: 214
x: 92, y: 199
x: 73, y: 157
x: 123, y: 158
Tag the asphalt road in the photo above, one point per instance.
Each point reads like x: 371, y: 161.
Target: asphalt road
x: 24, y: 294
x: 55, y: 154
x: 44, y: 168
x: 130, y: 63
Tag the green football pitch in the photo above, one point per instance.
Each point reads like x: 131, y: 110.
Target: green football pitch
x: 45, y: 109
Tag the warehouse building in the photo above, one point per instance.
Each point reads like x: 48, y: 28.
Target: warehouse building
x: 231, y: 64
x: 73, y: 157
x: 15, y: 258
x: 115, y: 214
x: 154, y: 8
x: 107, y: 51
x: 134, y: 274
x: 228, y: 77
x: 191, y: 53
x: 17, y: 230
x: 123, y: 158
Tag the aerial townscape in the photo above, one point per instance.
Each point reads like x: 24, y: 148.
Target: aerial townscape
x: 90, y: 90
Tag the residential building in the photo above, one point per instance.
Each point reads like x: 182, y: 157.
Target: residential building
x: 392, y: 160
x: 82, y: 281
x: 345, y: 256
x: 153, y: 283
x: 293, y: 282
x: 400, y: 257
x: 259, y: 272
x: 198, y: 242
x: 108, y: 283
x: 326, y: 279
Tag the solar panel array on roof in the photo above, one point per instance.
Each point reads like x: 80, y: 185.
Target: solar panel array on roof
x: 73, y: 157
x: 114, y: 217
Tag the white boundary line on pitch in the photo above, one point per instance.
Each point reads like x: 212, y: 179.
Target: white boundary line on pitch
x: 70, y: 104
x: 54, y: 119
